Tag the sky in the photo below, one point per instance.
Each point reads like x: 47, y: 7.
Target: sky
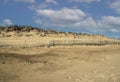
x: 85, y: 16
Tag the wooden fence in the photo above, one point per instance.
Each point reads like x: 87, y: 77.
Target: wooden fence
x: 63, y: 43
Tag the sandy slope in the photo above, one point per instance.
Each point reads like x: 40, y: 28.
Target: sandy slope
x: 38, y: 41
x: 33, y: 63
x: 28, y: 36
x: 60, y: 64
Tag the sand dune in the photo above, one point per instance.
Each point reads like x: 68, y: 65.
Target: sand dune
x: 34, y: 37
x: 36, y: 55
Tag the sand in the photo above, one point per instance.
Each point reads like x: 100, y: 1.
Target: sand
x: 23, y: 59
x: 60, y: 64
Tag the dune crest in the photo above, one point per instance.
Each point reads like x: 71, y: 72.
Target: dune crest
x: 29, y: 36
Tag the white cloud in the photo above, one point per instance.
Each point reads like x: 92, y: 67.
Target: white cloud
x: 76, y: 18
x: 109, y: 23
x: 40, y: 6
x: 7, y: 22
x: 87, y: 23
x: 43, y: 5
x: 86, y: 1
x: 66, y: 17
x: 51, y: 1
x: 62, y: 16
x: 27, y: 1
x: 116, y: 5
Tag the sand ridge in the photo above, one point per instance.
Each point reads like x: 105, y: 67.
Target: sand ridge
x: 22, y: 36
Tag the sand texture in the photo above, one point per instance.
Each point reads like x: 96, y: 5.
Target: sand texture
x: 36, y: 55
x: 60, y: 64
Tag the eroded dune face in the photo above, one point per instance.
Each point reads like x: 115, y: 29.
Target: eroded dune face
x: 60, y: 64
x: 15, y: 36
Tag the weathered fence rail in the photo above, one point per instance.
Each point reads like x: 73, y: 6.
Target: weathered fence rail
x: 62, y: 42
x: 79, y: 42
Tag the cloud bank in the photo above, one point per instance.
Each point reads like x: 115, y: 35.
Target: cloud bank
x: 76, y: 18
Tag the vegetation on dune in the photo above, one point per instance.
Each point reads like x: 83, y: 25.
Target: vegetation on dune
x: 18, y: 28
x: 53, y: 37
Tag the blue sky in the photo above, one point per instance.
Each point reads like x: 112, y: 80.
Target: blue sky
x: 91, y: 16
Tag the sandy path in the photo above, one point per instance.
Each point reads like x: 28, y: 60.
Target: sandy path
x: 61, y: 64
